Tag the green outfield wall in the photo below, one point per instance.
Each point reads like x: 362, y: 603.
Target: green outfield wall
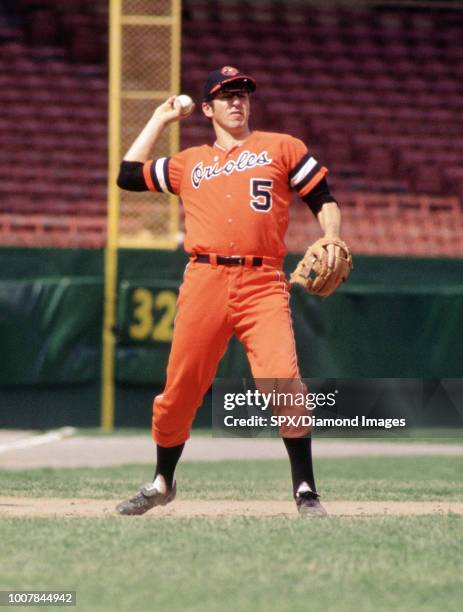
x: 395, y: 318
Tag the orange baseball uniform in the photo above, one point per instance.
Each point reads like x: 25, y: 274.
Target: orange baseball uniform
x: 236, y: 213
x: 236, y: 206
x: 236, y: 202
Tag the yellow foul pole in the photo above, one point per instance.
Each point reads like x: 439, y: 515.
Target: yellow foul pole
x: 175, y: 127
x: 118, y: 20
x: 110, y: 293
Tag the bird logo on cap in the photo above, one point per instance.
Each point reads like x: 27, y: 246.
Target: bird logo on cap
x: 229, y: 70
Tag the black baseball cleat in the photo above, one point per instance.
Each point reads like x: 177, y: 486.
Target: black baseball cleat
x: 150, y: 495
x: 307, y: 502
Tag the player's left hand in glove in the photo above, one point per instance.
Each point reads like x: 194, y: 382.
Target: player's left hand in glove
x: 326, y: 264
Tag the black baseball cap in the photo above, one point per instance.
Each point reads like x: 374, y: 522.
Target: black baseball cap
x: 227, y: 79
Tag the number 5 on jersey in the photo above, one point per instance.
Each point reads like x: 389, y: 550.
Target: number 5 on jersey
x: 261, y: 194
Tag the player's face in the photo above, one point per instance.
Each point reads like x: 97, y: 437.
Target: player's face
x: 230, y: 110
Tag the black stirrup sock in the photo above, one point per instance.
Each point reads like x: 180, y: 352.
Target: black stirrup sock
x: 167, y: 459
x: 300, y: 458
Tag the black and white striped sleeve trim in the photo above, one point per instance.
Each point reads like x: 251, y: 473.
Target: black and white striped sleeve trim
x: 304, y: 172
x: 159, y: 175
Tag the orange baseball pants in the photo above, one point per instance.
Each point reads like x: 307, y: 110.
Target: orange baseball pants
x: 215, y: 302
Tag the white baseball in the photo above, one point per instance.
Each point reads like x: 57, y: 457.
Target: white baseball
x: 184, y: 103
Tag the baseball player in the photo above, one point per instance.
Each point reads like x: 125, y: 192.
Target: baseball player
x: 236, y: 195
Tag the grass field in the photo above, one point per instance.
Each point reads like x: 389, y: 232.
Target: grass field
x: 356, y: 478
x: 251, y: 564
x: 437, y: 435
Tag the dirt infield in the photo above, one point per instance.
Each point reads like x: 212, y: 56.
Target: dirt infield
x: 91, y: 508
x: 19, y: 450
x: 65, y: 448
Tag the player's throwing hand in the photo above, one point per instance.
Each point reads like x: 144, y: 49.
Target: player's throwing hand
x: 168, y: 111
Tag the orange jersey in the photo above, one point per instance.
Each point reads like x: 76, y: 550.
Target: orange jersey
x: 236, y: 202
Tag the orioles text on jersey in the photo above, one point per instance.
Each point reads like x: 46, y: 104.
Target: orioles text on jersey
x: 224, y: 193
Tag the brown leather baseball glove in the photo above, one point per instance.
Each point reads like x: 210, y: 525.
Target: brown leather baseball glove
x: 313, y: 272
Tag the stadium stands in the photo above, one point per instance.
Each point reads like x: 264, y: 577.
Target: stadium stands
x: 53, y: 129
x: 375, y: 92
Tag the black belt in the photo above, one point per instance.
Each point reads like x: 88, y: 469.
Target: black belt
x: 228, y: 261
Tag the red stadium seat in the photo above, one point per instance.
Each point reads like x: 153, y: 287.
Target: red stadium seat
x: 375, y: 93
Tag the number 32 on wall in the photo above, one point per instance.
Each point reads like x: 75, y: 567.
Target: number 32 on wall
x: 147, y: 327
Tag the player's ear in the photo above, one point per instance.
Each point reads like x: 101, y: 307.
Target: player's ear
x: 208, y: 109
